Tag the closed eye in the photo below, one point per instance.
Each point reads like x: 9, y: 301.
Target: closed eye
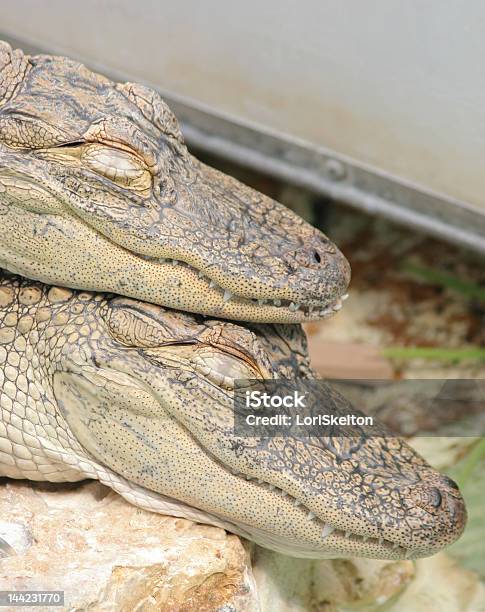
x: 71, y: 145
x: 223, y: 369
x: 116, y: 165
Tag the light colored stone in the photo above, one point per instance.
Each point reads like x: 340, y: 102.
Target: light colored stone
x: 284, y: 584
x: 302, y: 585
x: 109, y: 555
x: 345, y: 583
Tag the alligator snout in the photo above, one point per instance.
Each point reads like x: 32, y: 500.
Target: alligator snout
x: 321, y: 258
x: 315, y: 253
x: 440, y: 494
x: 444, y: 516
x: 456, y: 507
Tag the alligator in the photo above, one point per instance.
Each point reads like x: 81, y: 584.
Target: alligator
x: 140, y: 397
x: 99, y: 192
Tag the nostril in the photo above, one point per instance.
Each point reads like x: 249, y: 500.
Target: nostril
x: 317, y: 257
x: 435, y: 497
x: 428, y: 497
x: 450, y: 483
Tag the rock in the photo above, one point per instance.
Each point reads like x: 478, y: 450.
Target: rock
x: 284, y: 584
x: 109, y: 555
x: 302, y: 585
x: 361, y: 583
x: 441, y: 584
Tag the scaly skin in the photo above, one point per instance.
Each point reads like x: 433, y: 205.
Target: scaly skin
x: 140, y: 398
x: 99, y: 192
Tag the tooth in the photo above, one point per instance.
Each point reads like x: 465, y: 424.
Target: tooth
x: 296, y: 503
x: 311, y: 516
x: 284, y: 493
x: 227, y: 295
x: 345, y: 297
x: 347, y: 534
x: 380, y: 540
x: 162, y: 260
x: 201, y: 274
x: 261, y: 302
x: 365, y: 538
x: 337, y: 307
x: 277, y: 302
x: 408, y: 554
x: 327, y: 530
x: 212, y: 284
x: 395, y: 545
x: 271, y: 487
x: 292, y: 306
x: 174, y: 262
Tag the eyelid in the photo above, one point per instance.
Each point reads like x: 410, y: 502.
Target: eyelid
x: 115, y: 132
x: 258, y: 369
x: 119, y: 166
x: 223, y: 368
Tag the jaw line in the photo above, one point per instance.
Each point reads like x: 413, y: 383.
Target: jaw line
x: 330, y: 534
x: 296, y: 313
x: 383, y: 548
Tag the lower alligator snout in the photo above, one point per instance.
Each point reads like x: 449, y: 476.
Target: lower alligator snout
x: 441, y: 499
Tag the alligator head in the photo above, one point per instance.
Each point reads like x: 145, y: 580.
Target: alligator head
x: 99, y: 192
x: 147, y: 394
